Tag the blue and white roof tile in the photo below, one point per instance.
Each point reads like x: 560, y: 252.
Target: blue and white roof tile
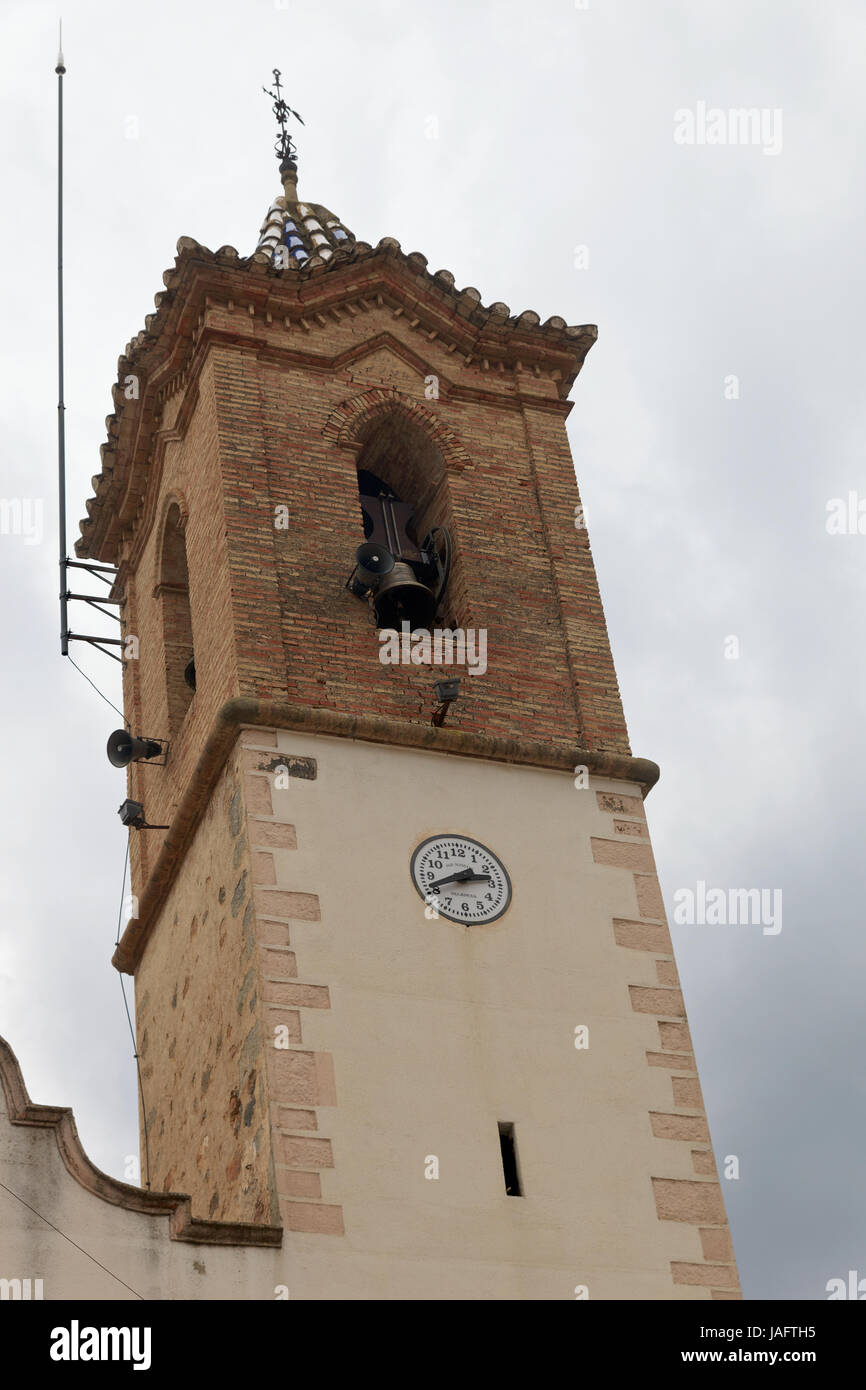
x: 310, y: 234
x: 313, y: 240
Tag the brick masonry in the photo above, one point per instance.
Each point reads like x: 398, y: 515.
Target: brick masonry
x: 301, y: 1084
x: 244, y: 409
x: 257, y: 394
x: 200, y: 1030
x: 236, y: 1105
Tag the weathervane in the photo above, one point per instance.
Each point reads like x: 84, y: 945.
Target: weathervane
x: 284, y: 146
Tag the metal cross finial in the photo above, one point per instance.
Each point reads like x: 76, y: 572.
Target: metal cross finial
x: 284, y: 147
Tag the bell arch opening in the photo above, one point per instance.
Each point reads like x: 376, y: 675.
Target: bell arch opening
x: 406, y: 506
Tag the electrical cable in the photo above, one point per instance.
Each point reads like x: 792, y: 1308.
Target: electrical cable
x: 71, y: 1241
x: 98, y: 691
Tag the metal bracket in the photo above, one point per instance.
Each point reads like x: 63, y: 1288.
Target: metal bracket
x: 100, y: 572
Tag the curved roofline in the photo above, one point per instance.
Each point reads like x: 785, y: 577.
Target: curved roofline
x: 175, y: 1205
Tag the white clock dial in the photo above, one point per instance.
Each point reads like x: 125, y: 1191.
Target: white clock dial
x: 461, y: 879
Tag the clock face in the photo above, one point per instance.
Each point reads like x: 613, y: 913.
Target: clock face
x: 461, y: 879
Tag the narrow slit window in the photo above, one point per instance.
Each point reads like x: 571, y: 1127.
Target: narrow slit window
x: 508, y: 1150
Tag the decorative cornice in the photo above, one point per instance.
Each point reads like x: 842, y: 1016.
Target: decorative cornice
x: 240, y: 713
x: 174, y: 1205
x: 158, y: 358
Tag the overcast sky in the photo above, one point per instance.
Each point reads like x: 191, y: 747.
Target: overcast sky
x: 499, y: 139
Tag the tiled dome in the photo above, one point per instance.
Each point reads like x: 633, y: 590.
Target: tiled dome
x: 309, y: 232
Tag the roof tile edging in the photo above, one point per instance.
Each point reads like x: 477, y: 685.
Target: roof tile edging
x: 496, y: 316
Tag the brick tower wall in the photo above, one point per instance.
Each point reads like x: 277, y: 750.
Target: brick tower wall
x: 255, y: 429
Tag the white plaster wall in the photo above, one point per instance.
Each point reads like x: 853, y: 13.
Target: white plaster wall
x: 439, y: 1031
x: 135, y: 1249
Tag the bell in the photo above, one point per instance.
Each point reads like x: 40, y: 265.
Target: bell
x: 401, y: 598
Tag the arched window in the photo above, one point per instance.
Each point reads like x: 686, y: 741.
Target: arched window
x: 173, y: 590
x: 406, y: 505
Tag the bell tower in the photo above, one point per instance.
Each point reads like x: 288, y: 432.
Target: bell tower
x: 403, y: 981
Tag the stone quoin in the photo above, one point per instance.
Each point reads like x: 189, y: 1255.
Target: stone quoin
x: 311, y: 1034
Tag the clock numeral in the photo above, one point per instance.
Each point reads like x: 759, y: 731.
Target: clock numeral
x: 480, y: 899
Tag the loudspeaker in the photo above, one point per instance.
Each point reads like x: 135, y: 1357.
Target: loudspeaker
x: 124, y: 748
x: 373, y: 561
x: 401, y: 598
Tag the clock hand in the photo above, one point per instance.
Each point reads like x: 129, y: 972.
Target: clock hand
x: 461, y: 876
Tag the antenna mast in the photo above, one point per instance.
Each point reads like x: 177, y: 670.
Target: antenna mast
x: 61, y: 408
x: 98, y: 571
